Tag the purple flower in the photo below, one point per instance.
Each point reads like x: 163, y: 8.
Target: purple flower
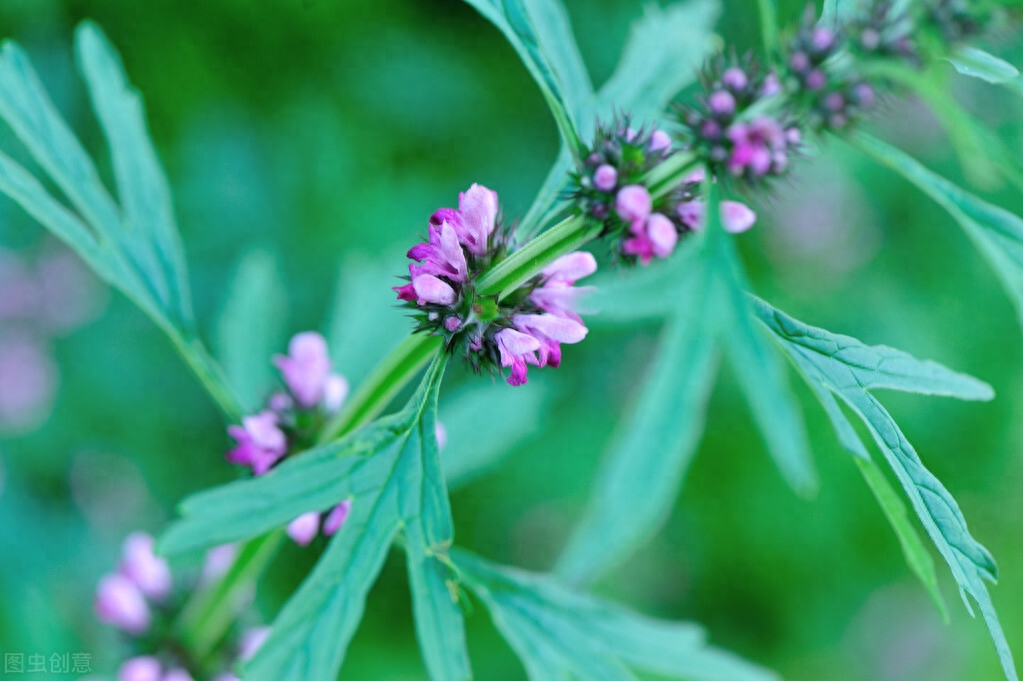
x: 251, y: 641
x: 633, y: 203
x: 605, y: 178
x: 218, y: 561
x: 29, y: 380
x: 475, y: 219
x: 517, y: 349
x: 656, y: 236
x: 659, y: 141
x: 442, y: 257
x: 550, y: 331
x: 260, y: 442
x: 337, y: 517
x: 143, y: 668
x: 304, y: 528
x: 722, y: 103
x: 430, y: 289
x: 177, y: 675
x: 736, y: 217
x: 150, y: 573
x: 120, y: 602
x: 335, y: 390
x: 816, y: 80
x: 306, y: 367
x: 823, y: 38
x: 735, y: 78
x: 557, y: 295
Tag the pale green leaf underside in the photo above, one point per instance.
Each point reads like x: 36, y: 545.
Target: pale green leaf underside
x: 976, y: 63
x: 969, y: 562
x: 996, y: 232
x: 561, y: 634
x: 251, y: 327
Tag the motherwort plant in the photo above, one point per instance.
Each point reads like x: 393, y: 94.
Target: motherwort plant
x: 657, y: 187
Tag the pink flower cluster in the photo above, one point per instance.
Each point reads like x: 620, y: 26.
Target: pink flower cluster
x: 121, y: 598
x: 760, y: 147
x: 440, y: 268
x: 536, y: 338
x: 525, y: 328
x: 262, y: 439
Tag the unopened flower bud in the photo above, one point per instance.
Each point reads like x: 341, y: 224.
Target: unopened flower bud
x: 633, y: 203
x: 816, y: 79
x: 304, y: 528
x: 834, y: 102
x: 120, y: 602
x: 337, y: 517
x: 150, y: 573
x: 662, y: 234
x: 864, y: 95
x: 722, y: 103
x: 736, y: 217
x: 142, y: 668
x: 735, y: 79
x: 799, y: 62
x: 659, y: 141
x: 870, y: 39
x: 605, y: 178
x: 823, y: 39
x: 177, y: 675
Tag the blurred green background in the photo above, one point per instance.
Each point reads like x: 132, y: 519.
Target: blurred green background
x: 327, y: 133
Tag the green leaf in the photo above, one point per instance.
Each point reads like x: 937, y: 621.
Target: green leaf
x: 149, y: 227
x: 965, y: 136
x: 513, y: 19
x: 469, y: 454
x: 554, y: 35
x: 917, y: 557
x: 643, y: 470
x: 663, y: 52
x: 760, y: 370
x: 769, y: 25
x: 969, y: 562
x: 364, y: 322
x: 706, y: 311
x: 390, y: 472
x: 996, y: 232
x: 661, y: 56
x: 251, y: 327
x: 137, y: 250
x: 975, y: 63
x: 559, y: 633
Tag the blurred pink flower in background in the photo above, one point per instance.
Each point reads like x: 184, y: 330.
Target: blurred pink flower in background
x: 40, y: 300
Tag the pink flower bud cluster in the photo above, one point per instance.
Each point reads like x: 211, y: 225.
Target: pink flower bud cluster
x: 831, y: 97
x: 525, y: 327
x: 123, y: 598
x: 313, y: 392
x: 726, y: 133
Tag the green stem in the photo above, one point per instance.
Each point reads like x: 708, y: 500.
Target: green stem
x: 210, y: 612
x: 208, y: 372
x: 529, y: 261
x: 386, y: 381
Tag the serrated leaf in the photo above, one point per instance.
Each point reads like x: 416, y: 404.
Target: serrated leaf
x: 996, y: 232
x: 513, y: 19
x: 969, y: 562
x: 559, y: 633
x: 976, y: 63
x: 390, y: 472
x: 643, y: 470
x: 251, y: 327
x: 144, y: 194
x: 467, y: 453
